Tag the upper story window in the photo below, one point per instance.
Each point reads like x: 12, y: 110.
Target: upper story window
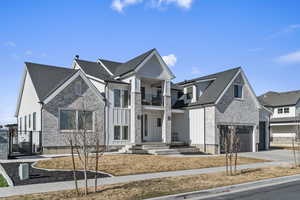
x: 121, y: 98
x: 189, y: 93
x: 286, y: 110
x: 280, y: 110
x: 34, y: 121
x: 238, y: 91
x: 76, y: 120
x: 143, y: 93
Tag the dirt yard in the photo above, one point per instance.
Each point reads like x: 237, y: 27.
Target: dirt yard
x: 165, y: 186
x: 119, y: 165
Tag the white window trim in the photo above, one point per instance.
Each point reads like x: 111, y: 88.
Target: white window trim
x: 76, y: 120
x: 121, y: 98
x: 242, y: 96
x: 121, y: 132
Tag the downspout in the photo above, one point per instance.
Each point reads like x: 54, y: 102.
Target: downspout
x: 41, y: 128
x: 204, y: 130
x: 105, y: 113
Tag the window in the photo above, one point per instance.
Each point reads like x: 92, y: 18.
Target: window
x: 121, y: 98
x: 34, y: 121
x: 117, y: 133
x: 85, y: 120
x: 279, y: 110
x: 238, y: 91
x: 76, y: 120
x: 189, y: 93
x: 143, y: 93
x: 67, y: 120
x: 125, y: 98
x: 29, y: 122
x: 117, y: 98
x: 286, y: 110
x: 25, y: 123
x: 125, y: 133
x: 20, y: 124
x: 158, y: 122
x: 146, y: 125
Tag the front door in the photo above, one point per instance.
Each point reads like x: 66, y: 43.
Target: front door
x: 151, y: 127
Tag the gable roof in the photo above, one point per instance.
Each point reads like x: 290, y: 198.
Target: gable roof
x: 46, y: 78
x: 94, y: 69
x: 219, y: 83
x: 274, y: 99
x: 110, y: 65
x: 119, y: 69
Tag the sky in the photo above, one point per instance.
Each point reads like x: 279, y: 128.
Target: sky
x: 195, y: 37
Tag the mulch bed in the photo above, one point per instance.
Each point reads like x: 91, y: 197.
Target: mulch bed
x: 44, y: 176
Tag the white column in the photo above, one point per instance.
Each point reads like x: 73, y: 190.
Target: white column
x: 167, y: 116
x: 136, y: 111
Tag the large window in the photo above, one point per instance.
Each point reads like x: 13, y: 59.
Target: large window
x: 76, y: 120
x: 121, y: 132
x: 29, y: 121
x: 20, y: 124
x: 121, y: 98
x: 143, y: 93
x: 238, y: 91
x: 25, y: 123
x: 34, y: 121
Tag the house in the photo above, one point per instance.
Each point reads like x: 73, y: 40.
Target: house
x: 284, y: 122
x: 134, y: 103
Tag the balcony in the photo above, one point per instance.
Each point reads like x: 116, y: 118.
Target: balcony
x: 152, y: 99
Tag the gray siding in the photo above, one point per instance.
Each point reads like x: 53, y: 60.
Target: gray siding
x: 67, y: 98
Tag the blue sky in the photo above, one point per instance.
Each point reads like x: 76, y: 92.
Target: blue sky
x: 198, y: 36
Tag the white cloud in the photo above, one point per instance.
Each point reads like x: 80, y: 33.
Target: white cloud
x: 10, y: 44
x: 195, y: 71
x: 119, y: 5
x: 289, y: 29
x: 28, y: 53
x: 293, y: 57
x: 181, y: 3
x: 170, y: 60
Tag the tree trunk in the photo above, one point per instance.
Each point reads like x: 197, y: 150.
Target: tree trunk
x: 96, y: 164
x: 74, y: 168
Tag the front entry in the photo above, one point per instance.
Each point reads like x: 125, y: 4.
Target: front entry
x: 151, y: 127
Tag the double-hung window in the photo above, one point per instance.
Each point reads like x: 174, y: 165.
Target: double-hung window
x: 34, y: 121
x: 238, y: 91
x: 121, y: 132
x: 76, y: 120
x: 121, y: 98
x: 280, y: 110
x: 286, y: 110
x: 189, y: 93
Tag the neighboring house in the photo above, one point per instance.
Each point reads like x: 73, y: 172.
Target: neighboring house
x: 134, y: 103
x: 284, y: 123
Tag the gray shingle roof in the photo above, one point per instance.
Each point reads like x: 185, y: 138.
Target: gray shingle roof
x: 46, y: 78
x: 214, y: 90
x: 110, y: 65
x: 96, y: 70
x: 131, y: 64
x: 274, y: 99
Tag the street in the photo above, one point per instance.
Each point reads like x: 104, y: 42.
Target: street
x: 286, y: 191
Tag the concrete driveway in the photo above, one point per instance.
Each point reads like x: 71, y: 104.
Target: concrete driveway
x: 275, y: 155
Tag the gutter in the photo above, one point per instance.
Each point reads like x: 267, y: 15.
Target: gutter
x: 41, y: 128
x: 105, y: 116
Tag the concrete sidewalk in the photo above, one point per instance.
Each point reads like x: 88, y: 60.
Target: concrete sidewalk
x: 57, y: 186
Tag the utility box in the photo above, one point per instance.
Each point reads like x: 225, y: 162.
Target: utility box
x: 24, y: 171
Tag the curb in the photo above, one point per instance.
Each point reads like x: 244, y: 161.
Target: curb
x: 209, y: 193
x: 7, y: 178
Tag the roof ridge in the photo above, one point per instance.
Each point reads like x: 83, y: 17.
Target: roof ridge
x: 109, y: 61
x: 45, y: 65
x: 200, y: 77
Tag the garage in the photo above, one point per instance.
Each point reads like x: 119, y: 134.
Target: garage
x: 245, y: 136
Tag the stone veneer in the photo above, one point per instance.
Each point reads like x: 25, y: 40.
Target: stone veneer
x: 53, y: 139
x: 167, y: 121
x: 136, y: 114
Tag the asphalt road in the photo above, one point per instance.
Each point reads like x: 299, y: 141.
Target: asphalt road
x: 286, y: 191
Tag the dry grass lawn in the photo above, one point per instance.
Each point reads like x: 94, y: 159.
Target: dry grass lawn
x: 119, y: 165
x: 165, y: 186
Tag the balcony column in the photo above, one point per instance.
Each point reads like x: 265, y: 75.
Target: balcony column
x: 167, y: 115
x: 136, y: 112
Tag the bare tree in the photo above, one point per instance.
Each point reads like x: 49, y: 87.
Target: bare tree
x: 69, y: 137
